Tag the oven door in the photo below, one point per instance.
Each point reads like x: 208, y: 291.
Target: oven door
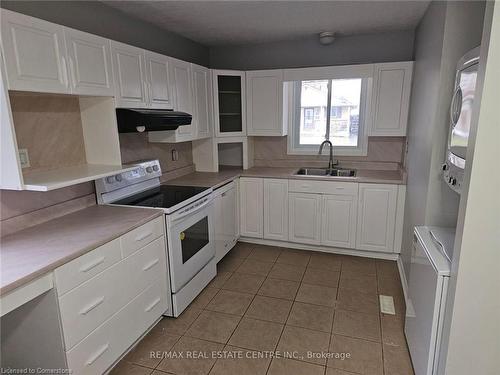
x: 190, y: 236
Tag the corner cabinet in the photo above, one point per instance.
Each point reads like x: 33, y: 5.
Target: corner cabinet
x: 264, y: 97
x: 251, y: 207
x: 377, y: 217
x: 229, y: 103
x: 391, y: 98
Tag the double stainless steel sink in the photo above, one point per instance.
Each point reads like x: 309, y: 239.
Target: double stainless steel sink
x: 325, y: 172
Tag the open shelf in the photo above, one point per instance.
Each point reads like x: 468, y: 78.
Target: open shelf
x: 67, y: 176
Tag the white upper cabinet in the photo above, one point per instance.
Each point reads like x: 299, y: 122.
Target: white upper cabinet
x: 276, y: 209
x: 264, y: 98
x: 35, y: 54
x: 339, y: 220
x: 89, y: 59
x: 251, y: 207
x: 304, y: 218
x: 376, y: 217
x: 129, y: 69
x: 229, y: 103
x: 391, y: 98
x: 202, y: 93
x: 158, y: 80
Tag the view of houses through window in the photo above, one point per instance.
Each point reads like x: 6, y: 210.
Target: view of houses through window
x: 343, y: 104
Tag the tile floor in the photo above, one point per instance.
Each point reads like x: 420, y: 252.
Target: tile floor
x: 276, y: 299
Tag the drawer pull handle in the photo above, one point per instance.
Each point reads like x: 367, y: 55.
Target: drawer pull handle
x: 150, y: 265
x: 339, y: 188
x: 150, y: 307
x: 92, y: 306
x: 94, y: 264
x: 97, y: 355
x: 143, y: 237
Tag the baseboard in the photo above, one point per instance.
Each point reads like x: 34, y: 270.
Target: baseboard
x: 404, y: 281
x: 324, y: 249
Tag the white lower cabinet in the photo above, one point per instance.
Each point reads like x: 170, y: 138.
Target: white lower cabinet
x: 276, y: 209
x: 339, y: 220
x: 103, y: 314
x: 251, y: 207
x: 304, y: 218
x: 377, y: 217
x: 226, y: 220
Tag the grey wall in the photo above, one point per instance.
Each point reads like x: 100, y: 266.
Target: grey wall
x: 446, y: 32
x: 359, y: 49
x: 97, y: 18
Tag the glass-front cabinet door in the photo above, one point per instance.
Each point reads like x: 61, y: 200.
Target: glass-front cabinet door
x: 229, y: 103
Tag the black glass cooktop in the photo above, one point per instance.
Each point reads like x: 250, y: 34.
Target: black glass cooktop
x: 164, y: 196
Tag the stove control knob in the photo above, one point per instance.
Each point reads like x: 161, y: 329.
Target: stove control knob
x: 450, y: 179
x: 155, y: 168
x: 110, y: 179
x: 118, y: 177
x: 454, y: 181
x: 149, y: 169
x: 445, y: 167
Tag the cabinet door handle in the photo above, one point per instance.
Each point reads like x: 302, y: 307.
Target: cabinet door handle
x: 92, y: 306
x: 150, y: 265
x: 150, y: 307
x: 94, y: 358
x: 92, y: 265
x: 143, y: 236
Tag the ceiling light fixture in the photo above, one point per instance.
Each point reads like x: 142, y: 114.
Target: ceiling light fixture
x: 326, y: 37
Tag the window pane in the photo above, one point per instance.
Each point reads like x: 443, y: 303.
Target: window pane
x: 313, y: 103
x: 344, y: 112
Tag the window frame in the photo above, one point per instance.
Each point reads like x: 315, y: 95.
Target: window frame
x: 293, y: 97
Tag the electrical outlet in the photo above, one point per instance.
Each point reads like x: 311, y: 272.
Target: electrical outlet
x: 387, y: 305
x: 175, y: 155
x: 24, y: 158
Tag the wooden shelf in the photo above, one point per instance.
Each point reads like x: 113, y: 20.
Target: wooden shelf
x: 62, y: 177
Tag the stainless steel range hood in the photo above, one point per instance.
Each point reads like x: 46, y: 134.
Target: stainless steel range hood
x: 131, y: 120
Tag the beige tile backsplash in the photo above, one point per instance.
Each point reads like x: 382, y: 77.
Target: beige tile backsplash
x: 383, y: 153
x: 49, y: 126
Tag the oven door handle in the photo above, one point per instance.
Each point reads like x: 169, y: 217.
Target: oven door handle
x: 192, y: 208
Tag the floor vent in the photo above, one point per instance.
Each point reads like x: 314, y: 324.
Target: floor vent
x: 387, y: 305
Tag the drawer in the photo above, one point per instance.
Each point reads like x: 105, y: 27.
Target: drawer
x: 87, y: 266
x: 86, y: 307
x: 323, y: 187
x: 137, y: 238
x: 98, y: 351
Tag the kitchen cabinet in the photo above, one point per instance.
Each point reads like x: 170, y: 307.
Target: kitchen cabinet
x: 264, y: 98
x: 338, y: 224
x: 376, y: 226
x: 35, y: 54
x: 251, y: 207
x: 129, y: 68
x: 202, y: 95
x: 158, y: 80
x: 391, y: 98
x: 229, y: 103
x: 226, y: 220
x: 89, y: 59
x: 276, y: 209
x: 304, y: 218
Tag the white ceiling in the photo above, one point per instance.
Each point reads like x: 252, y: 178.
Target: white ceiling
x: 215, y: 23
